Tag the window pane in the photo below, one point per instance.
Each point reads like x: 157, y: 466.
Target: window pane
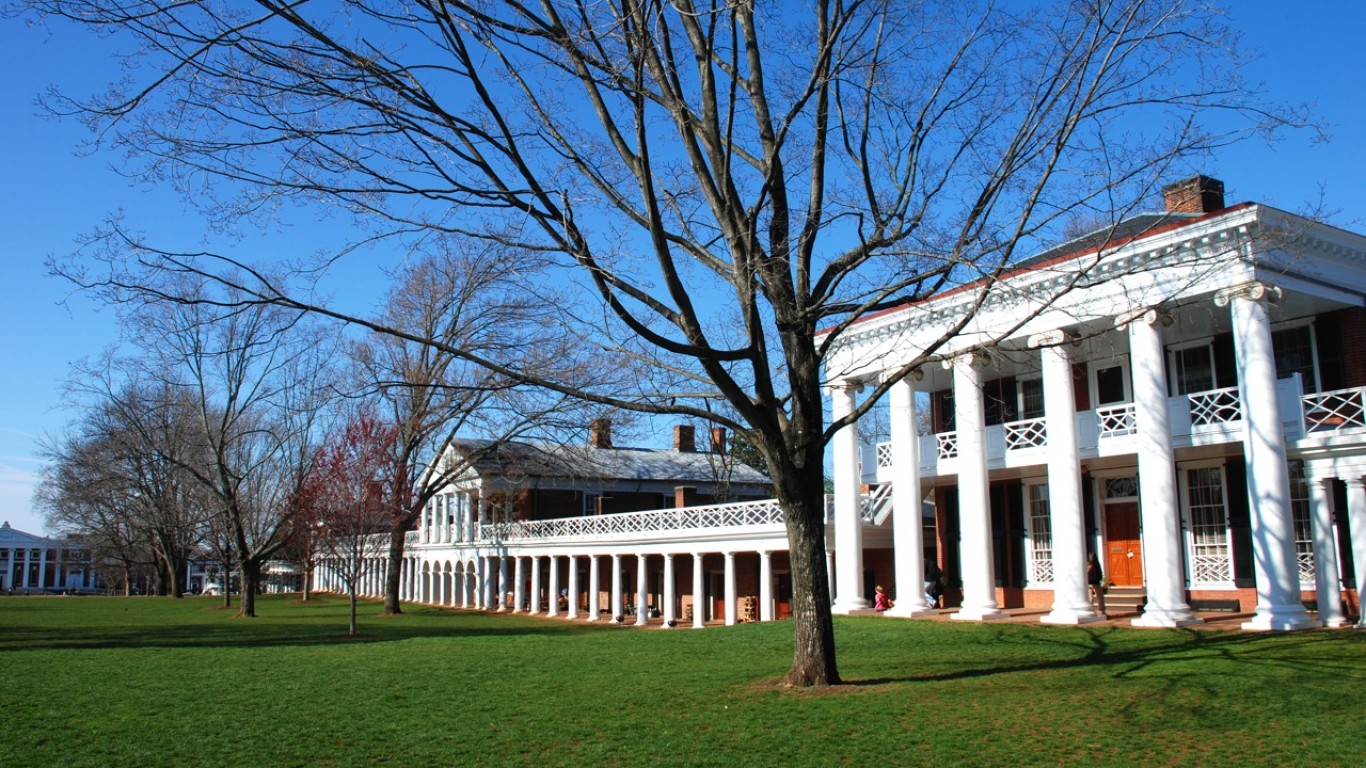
x: 1110, y: 385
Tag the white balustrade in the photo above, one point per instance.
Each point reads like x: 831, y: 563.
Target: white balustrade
x: 1334, y: 411
x: 1028, y: 433
x: 1116, y: 420
x: 1216, y: 406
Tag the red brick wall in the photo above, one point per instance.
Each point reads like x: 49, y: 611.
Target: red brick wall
x: 1352, y: 323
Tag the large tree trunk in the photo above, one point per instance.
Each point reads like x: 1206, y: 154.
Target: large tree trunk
x: 251, y: 582
x: 802, y: 495
x: 398, y: 535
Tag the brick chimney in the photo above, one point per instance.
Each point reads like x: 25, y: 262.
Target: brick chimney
x: 600, y: 433
x: 1198, y: 194
x: 718, y: 439
x: 685, y: 438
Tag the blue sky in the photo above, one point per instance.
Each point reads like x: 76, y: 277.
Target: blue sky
x: 51, y: 195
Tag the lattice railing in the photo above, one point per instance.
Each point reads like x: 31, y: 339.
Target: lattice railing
x: 764, y: 512
x: 412, y: 537
x: 1041, y: 571
x: 1029, y: 433
x: 884, y: 455
x: 1305, y: 561
x: 1117, y: 420
x: 1217, y: 406
x: 1332, y: 411
x: 1211, y: 568
x: 947, y: 443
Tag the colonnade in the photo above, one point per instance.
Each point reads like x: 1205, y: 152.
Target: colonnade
x: 514, y: 582
x: 1264, y: 445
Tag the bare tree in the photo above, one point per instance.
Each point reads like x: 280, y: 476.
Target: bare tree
x: 116, y: 478
x: 730, y: 185
x: 464, y: 294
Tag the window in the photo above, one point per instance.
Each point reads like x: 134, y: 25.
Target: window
x: 1031, y: 398
x: 1110, y: 385
x: 1194, y: 369
x: 1294, y: 350
x: 1209, y: 525
x: 591, y: 504
x: 1040, y: 534
x: 1304, y: 532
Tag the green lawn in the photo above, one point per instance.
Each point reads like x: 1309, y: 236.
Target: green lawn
x: 155, y: 682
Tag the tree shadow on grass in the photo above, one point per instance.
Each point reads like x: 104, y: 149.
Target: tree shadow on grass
x: 1093, y: 648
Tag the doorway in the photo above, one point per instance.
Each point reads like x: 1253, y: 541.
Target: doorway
x: 1123, y: 549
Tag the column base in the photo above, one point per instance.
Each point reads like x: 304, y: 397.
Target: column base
x: 1165, y: 619
x: 1072, y: 617
x: 910, y: 612
x: 1280, y: 618
x: 851, y: 607
x: 979, y: 614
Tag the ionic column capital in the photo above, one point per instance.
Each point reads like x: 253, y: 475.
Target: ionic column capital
x: 1146, y: 315
x: 973, y: 358
x: 1254, y: 290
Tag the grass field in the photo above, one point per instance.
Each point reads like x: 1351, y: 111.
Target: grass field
x: 156, y: 682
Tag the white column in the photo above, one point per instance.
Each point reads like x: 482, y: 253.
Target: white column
x: 503, y: 583
x: 1163, y: 572
x: 699, y: 603
x: 974, y: 497
x: 42, y: 567
x: 765, y: 586
x: 572, y: 610
x: 553, y: 602
x: 848, y: 517
x: 534, y: 599
x: 830, y: 571
x: 594, y: 589
x: 1071, y: 596
x: 731, y: 597
x: 1356, y: 521
x: 491, y: 596
x: 908, y: 535
x: 642, y: 586
x: 1326, y: 567
x: 667, y: 609
x: 518, y: 588
x: 428, y: 518
x: 1279, y: 605
x: 618, y: 615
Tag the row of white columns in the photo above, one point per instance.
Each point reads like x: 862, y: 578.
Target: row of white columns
x: 21, y: 559
x: 1278, y: 596
x: 486, y: 588
x: 452, y: 517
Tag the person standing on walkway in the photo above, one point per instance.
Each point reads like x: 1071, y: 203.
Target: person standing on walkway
x: 1096, y: 579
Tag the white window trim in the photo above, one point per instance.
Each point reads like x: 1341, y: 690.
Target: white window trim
x: 1187, y: 526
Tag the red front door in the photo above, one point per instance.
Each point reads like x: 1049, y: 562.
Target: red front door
x: 1124, y: 556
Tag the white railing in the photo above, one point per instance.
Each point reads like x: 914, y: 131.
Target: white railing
x: 1041, y: 571
x: 1116, y: 420
x: 412, y: 537
x: 948, y: 444
x: 764, y: 512
x: 1207, y: 569
x: 1029, y: 433
x: 1336, y: 410
x: 1305, y: 563
x: 1216, y: 406
x: 874, y: 503
x: 884, y: 455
